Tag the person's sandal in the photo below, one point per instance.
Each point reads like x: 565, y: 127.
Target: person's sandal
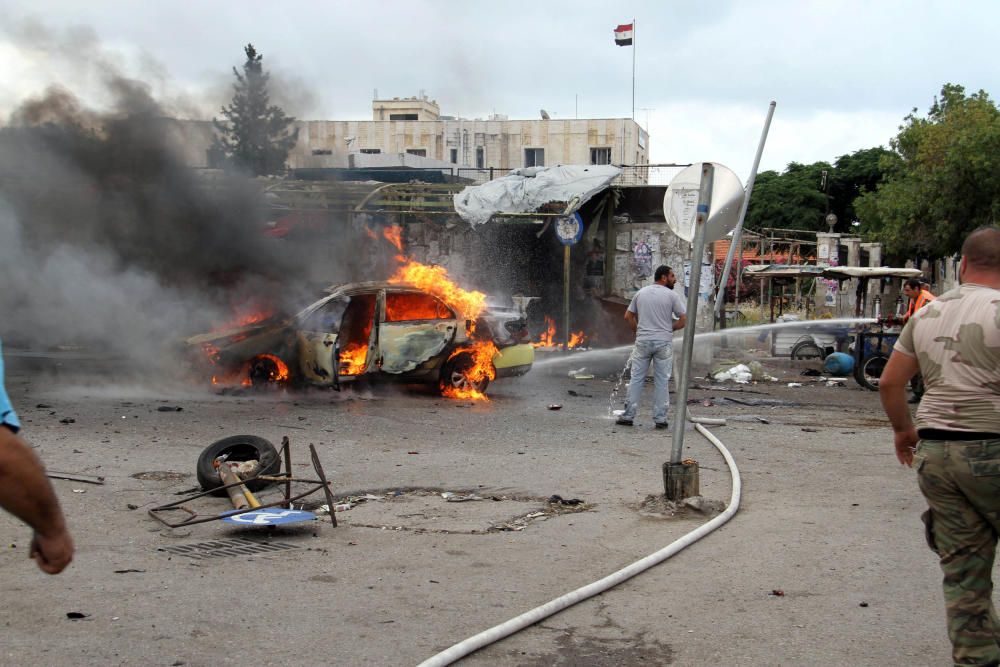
x: 622, y: 421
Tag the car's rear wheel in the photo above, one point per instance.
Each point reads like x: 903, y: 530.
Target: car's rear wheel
x: 455, y: 376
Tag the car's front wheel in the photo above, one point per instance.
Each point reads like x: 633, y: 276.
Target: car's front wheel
x: 456, y: 376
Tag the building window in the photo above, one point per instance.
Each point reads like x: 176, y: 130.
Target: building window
x: 600, y: 156
x: 402, y: 116
x: 422, y: 152
x: 322, y: 151
x: 454, y: 156
x: 534, y: 157
x: 371, y: 151
x: 480, y: 158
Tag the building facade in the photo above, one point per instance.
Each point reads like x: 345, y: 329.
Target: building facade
x: 414, y: 127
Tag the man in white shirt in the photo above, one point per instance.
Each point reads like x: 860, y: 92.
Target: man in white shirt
x: 651, y: 314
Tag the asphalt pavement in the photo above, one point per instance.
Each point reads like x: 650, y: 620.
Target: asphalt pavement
x: 824, y: 563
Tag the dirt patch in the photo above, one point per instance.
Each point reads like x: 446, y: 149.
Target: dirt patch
x: 656, y: 506
x: 590, y: 651
x: 440, y: 511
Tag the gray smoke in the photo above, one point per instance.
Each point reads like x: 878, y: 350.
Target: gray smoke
x: 108, y: 240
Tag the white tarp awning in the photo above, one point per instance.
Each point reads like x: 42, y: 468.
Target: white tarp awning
x: 526, y: 190
x: 830, y: 272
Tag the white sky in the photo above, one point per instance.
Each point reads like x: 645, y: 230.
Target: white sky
x: 844, y: 74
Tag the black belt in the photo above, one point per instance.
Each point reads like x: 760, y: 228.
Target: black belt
x: 942, y: 434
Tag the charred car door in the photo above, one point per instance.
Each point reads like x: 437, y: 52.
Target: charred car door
x: 414, y: 329
x: 317, y: 335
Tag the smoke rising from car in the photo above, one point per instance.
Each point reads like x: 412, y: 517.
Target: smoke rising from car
x: 108, y: 239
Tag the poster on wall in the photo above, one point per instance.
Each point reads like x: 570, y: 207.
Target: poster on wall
x: 705, y: 288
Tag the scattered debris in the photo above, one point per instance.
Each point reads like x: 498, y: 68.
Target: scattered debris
x: 810, y: 372
x: 583, y: 376
x: 43, y: 406
x: 76, y: 615
x: 811, y: 430
x: 559, y: 500
x: 863, y: 604
x: 555, y: 406
x: 160, y: 476
x: 795, y: 384
x: 132, y: 507
x: 412, y: 452
x: 453, y: 498
x: 704, y: 505
x: 762, y: 420
x: 128, y: 571
x: 74, y: 478
x: 577, y: 393
x: 169, y: 408
x: 777, y: 593
x: 836, y: 383
x: 79, y: 490
x: 67, y: 420
x: 740, y: 374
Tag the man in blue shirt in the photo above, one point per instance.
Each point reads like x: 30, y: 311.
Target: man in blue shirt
x: 651, y: 314
x: 26, y: 493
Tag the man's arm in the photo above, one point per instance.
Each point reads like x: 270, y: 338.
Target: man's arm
x: 26, y: 493
x: 892, y: 390
x: 680, y: 322
x: 632, y: 320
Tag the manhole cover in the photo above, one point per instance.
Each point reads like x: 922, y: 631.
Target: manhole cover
x: 231, y: 547
x: 161, y: 475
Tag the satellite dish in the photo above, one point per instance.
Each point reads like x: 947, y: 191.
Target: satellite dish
x: 680, y: 202
x: 545, y: 115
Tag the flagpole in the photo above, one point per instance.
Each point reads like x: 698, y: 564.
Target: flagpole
x: 633, y: 67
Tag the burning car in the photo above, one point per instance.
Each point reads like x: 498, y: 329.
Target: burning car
x: 385, y: 330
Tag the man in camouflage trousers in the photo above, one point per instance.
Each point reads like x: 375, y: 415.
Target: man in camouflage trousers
x: 955, y: 445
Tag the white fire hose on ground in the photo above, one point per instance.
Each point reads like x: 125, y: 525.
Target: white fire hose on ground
x: 518, y: 623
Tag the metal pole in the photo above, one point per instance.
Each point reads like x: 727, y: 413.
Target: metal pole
x: 566, y: 297
x: 704, y: 206
x: 738, y: 232
x: 634, y: 42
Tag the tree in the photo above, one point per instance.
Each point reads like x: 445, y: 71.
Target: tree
x: 793, y: 199
x: 255, y: 134
x: 942, y: 177
x: 796, y: 198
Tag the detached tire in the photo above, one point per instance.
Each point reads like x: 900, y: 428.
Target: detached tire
x: 454, y: 375
x: 870, y: 370
x: 806, y: 349
x: 239, y: 448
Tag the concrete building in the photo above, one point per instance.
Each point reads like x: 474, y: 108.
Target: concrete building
x: 414, y: 127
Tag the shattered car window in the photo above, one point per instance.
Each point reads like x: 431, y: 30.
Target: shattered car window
x: 409, y: 306
x: 327, y: 318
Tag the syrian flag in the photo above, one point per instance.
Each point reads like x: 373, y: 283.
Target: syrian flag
x: 623, y: 35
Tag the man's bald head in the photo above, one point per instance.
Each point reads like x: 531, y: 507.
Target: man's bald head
x: 981, y: 249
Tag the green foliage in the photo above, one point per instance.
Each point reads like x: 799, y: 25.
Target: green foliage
x: 943, y: 177
x: 255, y: 135
x: 798, y: 197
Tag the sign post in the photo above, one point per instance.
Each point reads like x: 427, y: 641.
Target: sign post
x: 569, y: 229
x: 719, y: 197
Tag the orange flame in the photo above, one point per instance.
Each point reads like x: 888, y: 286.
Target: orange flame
x: 353, y: 359
x: 434, y: 279
x: 280, y: 372
x: 482, y: 353
x: 394, y: 235
x: 548, y: 337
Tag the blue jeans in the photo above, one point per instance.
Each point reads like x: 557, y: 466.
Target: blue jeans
x: 661, y: 354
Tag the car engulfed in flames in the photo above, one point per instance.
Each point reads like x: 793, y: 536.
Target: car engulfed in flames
x: 413, y: 328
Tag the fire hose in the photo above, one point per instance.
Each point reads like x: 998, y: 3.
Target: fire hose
x: 518, y: 623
